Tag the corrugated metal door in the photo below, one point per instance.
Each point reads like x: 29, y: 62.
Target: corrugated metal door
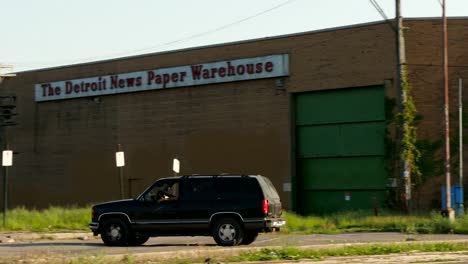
x: 340, y: 149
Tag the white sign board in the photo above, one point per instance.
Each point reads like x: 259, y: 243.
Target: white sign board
x: 120, y: 159
x: 347, y: 196
x: 7, y: 158
x: 176, y: 166
x: 188, y: 75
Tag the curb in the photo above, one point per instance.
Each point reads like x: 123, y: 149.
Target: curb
x: 12, y: 237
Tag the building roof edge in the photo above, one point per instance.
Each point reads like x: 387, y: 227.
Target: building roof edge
x: 366, y: 24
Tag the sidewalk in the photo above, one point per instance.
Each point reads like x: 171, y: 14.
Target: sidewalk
x: 22, y: 236
x: 306, y: 239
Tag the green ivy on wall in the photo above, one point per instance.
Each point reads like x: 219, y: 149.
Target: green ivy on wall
x: 407, y: 118
x: 422, y: 154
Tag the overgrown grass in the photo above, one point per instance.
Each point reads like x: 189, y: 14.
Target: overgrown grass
x: 52, y: 219
x: 281, y: 254
x: 268, y: 254
x: 356, y: 221
x: 55, y: 219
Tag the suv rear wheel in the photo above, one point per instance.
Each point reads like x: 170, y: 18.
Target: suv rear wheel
x: 115, y: 232
x: 249, y: 237
x: 227, y: 232
x: 134, y: 240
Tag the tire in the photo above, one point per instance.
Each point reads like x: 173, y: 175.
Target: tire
x: 115, y: 233
x: 137, y: 240
x: 228, y: 232
x: 249, y: 237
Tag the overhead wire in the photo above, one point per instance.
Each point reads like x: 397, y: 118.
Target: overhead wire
x: 382, y: 13
x: 181, y: 40
x: 218, y: 28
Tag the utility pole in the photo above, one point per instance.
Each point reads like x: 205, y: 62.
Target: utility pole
x: 405, y: 167
x: 450, y: 212
x: 120, y: 163
x: 460, y: 209
x: 7, y: 105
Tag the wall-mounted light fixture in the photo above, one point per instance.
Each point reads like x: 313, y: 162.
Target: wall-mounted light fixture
x: 279, y: 84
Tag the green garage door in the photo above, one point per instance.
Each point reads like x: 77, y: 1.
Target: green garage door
x: 340, y: 150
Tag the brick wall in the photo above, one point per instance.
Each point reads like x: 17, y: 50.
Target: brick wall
x: 67, y: 146
x: 425, y: 71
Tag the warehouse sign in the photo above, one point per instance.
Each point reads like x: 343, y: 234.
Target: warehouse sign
x: 189, y: 75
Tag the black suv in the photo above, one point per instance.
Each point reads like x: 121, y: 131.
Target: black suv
x: 231, y: 208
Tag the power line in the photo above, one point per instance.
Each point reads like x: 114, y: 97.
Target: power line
x: 181, y: 40
x: 217, y: 29
x: 382, y: 13
x: 379, y: 9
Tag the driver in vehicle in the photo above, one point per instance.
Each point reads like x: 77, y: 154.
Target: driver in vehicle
x: 165, y: 192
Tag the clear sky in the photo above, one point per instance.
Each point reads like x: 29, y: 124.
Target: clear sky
x: 45, y: 33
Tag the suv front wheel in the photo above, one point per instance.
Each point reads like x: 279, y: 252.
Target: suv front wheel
x: 115, y: 232
x: 227, y: 232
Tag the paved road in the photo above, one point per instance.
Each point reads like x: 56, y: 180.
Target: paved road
x: 194, y: 246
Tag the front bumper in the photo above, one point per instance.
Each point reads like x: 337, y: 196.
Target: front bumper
x: 94, y: 226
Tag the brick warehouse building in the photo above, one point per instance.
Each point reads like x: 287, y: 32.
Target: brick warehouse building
x: 307, y: 110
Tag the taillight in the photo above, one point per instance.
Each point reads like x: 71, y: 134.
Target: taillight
x: 265, y: 206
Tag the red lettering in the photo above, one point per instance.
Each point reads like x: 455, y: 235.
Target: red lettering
x: 166, y: 79
x: 138, y: 81
x: 213, y: 72
x: 83, y: 86
x: 182, y: 76
x: 240, y: 69
x: 94, y: 86
x: 76, y: 88
x: 121, y: 83
x: 114, y: 81
x: 258, y: 68
x: 130, y: 82
x: 250, y: 68
x: 269, y: 66
x: 231, y: 70
x: 158, y: 79
x: 196, y: 71
x: 68, y: 87
x: 222, y: 71
x: 44, y: 86
x: 206, y: 74
x: 174, y: 77
x: 150, y: 77
x: 48, y: 90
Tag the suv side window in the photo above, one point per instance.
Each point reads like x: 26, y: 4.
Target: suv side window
x: 165, y: 190
x: 238, y: 188
x: 199, y: 189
